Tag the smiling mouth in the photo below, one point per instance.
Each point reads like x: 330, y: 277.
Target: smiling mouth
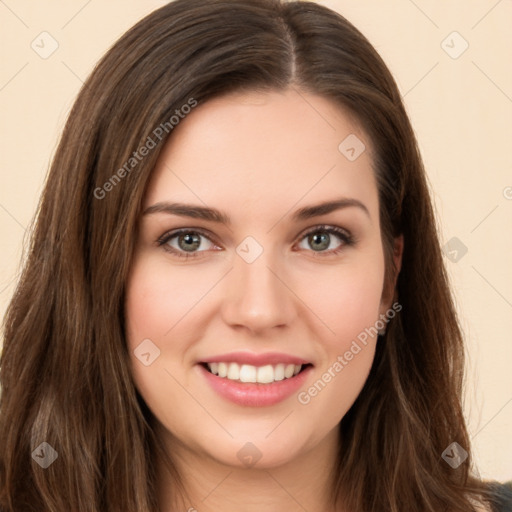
x: 246, y: 373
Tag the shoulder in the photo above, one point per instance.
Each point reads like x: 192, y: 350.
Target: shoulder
x: 502, y: 496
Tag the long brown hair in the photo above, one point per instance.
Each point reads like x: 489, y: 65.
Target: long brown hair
x: 65, y: 368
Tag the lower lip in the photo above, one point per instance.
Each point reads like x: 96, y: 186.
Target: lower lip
x: 253, y: 394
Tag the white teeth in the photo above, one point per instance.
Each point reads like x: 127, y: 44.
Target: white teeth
x: 248, y: 373
x: 233, y: 371
x: 223, y: 369
x: 279, y: 372
x: 288, y: 371
x: 265, y: 374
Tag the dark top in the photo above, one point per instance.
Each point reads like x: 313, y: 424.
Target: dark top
x: 503, y: 496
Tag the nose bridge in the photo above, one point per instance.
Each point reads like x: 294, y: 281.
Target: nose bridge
x: 256, y: 295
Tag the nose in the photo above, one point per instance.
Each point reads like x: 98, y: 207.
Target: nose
x: 257, y: 296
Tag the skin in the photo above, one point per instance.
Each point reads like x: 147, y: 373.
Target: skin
x: 258, y: 157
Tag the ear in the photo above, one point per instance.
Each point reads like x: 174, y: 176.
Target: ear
x: 389, y: 292
x: 398, y: 250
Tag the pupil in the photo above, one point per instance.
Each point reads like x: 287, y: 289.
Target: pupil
x: 191, y: 242
x: 322, y: 240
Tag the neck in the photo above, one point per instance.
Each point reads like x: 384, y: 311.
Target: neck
x: 304, y: 483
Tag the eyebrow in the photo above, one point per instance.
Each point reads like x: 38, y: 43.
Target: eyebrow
x: 214, y: 215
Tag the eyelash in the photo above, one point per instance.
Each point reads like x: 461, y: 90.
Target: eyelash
x: 346, y: 238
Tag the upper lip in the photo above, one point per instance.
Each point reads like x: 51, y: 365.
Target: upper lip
x: 256, y: 359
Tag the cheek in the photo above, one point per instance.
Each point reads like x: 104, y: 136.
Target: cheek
x: 346, y: 299
x: 156, y: 307
x: 348, y: 302
x: 337, y: 385
x: 159, y: 300
x: 348, y: 351
x: 151, y: 319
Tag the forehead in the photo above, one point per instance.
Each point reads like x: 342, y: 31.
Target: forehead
x: 265, y: 152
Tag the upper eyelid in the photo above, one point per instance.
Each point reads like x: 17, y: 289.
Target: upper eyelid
x: 325, y: 227
x: 175, y: 232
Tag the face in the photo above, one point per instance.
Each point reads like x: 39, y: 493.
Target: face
x: 259, y: 254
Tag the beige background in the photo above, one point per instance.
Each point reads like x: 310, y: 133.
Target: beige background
x: 461, y: 109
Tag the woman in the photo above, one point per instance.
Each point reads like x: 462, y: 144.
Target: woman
x: 192, y: 350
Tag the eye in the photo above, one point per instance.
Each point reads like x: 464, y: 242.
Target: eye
x: 321, y: 240
x: 185, y: 243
